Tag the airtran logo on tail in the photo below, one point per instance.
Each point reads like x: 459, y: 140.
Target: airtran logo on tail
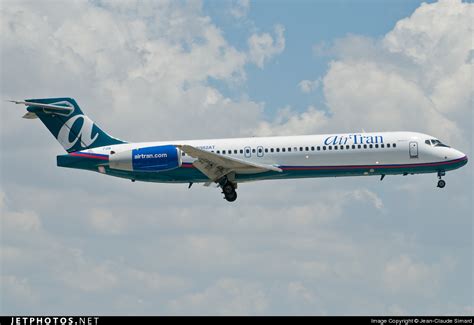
x: 353, y: 139
x: 84, y: 134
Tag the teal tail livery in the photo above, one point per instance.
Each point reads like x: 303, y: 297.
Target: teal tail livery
x: 67, y: 123
x: 226, y: 163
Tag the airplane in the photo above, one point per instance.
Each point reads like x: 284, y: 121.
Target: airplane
x: 227, y: 162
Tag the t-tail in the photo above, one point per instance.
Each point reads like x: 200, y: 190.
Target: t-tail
x: 66, y: 122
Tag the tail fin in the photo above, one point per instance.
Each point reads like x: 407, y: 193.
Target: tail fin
x: 65, y: 120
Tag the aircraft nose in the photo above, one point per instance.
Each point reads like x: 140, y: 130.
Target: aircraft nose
x: 459, y: 155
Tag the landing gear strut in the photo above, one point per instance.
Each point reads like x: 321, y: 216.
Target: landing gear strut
x: 228, y: 188
x: 441, y: 183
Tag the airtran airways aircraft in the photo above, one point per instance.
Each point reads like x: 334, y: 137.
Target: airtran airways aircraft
x: 227, y: 162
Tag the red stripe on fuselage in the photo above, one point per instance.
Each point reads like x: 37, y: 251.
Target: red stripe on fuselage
x: 88, y: 155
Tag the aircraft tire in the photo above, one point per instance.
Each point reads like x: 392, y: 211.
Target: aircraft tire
x: 228, y: 189
x: 231, y: 197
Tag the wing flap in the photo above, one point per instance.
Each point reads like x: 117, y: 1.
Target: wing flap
x: 216, y: 166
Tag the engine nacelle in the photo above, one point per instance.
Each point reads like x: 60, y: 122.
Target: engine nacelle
x: 148, y: 159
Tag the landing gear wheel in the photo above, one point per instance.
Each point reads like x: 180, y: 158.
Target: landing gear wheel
x: 441, y: 183
x: 231, y: 197
x: 228, y: 189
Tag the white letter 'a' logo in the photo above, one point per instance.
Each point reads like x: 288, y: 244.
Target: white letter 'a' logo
x: 85, y: 133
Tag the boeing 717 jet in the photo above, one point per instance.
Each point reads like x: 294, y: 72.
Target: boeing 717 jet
x: 228, y: 162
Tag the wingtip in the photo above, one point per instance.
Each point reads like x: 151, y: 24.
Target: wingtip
x: 15, y: 101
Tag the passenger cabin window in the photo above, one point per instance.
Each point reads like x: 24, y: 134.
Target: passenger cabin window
x: 312, y: 148
x: 376, y: 146
x: 348, y: 147
x: 283, y: 149
x: 382, y: 145
x: 324, y: 147
x: 330, y: 148
x: 266, y: 149
x: 301, y: 148
x: 335, y: 147
x: 241, y: 151
x: 365, y: 146
x: 253, y: 150
x: 319, y: 148
x: 388, y: 145
x: 271, y: 149
x: 246, y: 151
x: 394, y: 145
x: 218, y: 151
x: 371, y: 146
x: 289, y: 149
x: 260, y: 150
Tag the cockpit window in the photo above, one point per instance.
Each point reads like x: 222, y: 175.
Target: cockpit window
x: 436, y: 143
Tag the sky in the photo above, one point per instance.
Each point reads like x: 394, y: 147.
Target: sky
x: 75, y: 242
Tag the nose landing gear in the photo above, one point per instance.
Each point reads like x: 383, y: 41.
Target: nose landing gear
x: 441, y: 183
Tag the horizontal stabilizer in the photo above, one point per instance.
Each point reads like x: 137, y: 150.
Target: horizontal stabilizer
x: 57, y: 108
x: 48, y: 106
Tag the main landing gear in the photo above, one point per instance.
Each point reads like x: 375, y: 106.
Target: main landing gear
x: 228, y: 188
x: 441, y: 183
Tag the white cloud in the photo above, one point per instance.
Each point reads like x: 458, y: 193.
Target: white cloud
x: 17, y: 221
x: 365, y: 194
x: 227, y: 296
x: 297, y: 290
x: 308, y: 86
x: 90, y: 278
x: 289, y: 122
x: 169, y: 58
x: 417, y: 77
x: 106, y: 222
x: 17, y: 289
x: 262, y: 47
x: 402, y: 274
x: 156, y: 282
x: 239, y: 8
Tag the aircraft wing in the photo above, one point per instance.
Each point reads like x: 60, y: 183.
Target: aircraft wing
x: 216, y: 166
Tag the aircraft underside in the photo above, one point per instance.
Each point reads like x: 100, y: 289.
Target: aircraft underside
x: 187, y: 173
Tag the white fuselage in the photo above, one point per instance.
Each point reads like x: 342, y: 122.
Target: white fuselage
x: 338, y: 152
